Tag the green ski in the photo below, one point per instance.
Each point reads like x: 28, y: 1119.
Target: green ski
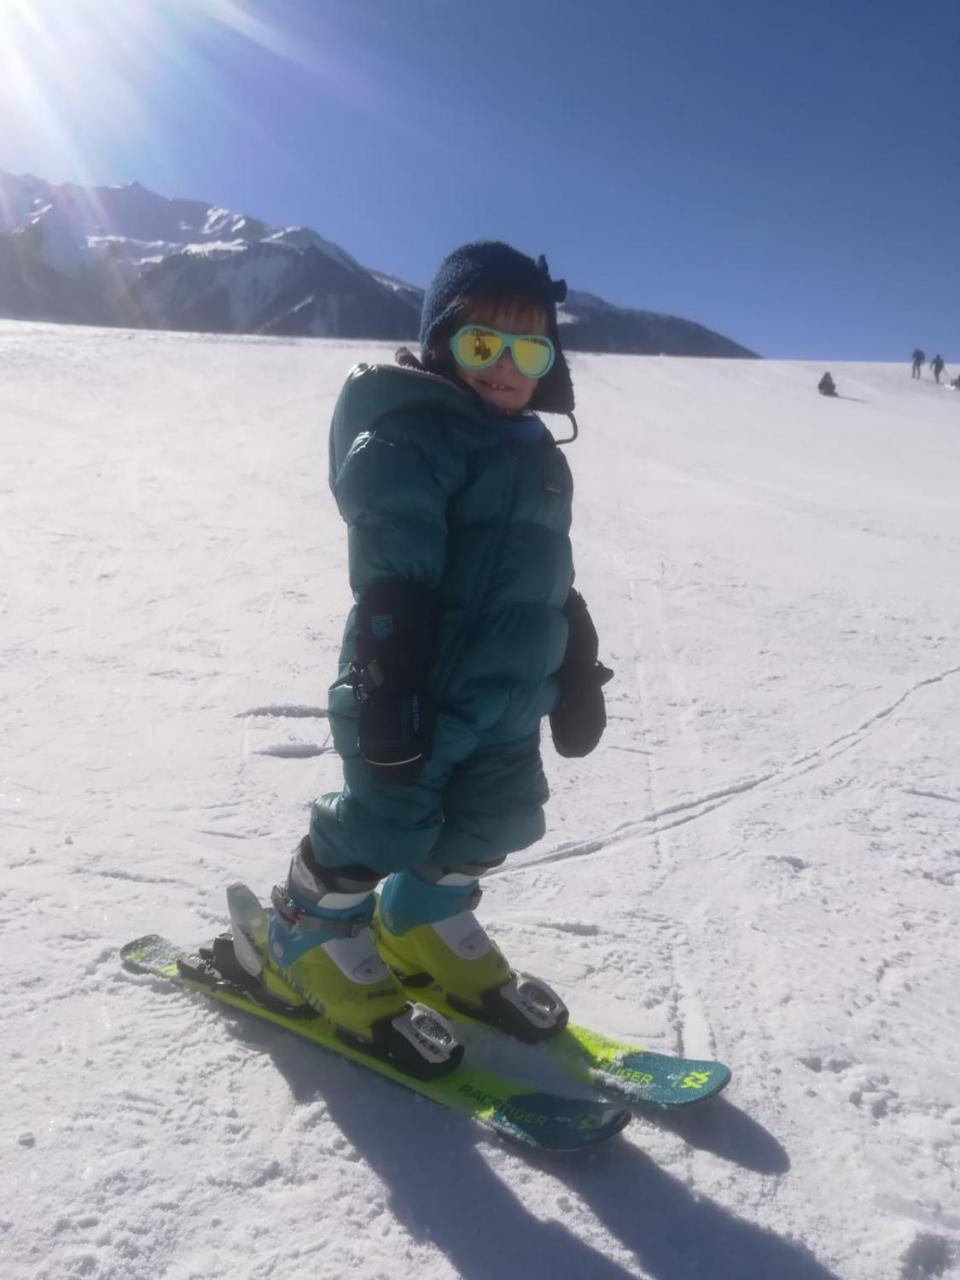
x: 510, y: 1108
x: 641, y: 1078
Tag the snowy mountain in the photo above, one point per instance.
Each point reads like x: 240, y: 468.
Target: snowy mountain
x: 590, y: 324
x: 760, y: 862
x: 127, y: 256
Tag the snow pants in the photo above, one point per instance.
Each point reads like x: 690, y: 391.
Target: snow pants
x: 469, y: 811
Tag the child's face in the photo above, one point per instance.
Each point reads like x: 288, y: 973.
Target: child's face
x: 502, y: 385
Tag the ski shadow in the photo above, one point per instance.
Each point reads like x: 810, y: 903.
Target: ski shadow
x: 675, y: 1234
x: 725, y: 1131
x: 451, y: 1186
x: 855, y: 399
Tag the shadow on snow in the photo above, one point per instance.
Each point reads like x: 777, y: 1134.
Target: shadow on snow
x: 444, y: 1192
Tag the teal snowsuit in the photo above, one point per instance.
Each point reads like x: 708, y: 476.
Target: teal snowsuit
x: 436, y: 489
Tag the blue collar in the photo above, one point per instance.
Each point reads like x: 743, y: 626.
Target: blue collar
x: 524, y: 428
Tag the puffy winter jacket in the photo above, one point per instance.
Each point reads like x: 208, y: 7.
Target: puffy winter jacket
x: 434, y: 490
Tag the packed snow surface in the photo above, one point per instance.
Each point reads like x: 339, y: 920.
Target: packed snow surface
x: 761, y: 861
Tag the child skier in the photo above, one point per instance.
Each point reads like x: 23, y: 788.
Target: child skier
x: 465, y: 633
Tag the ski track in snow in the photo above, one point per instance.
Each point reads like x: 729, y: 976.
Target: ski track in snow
x: 698, y: 806
x: 760, y: 863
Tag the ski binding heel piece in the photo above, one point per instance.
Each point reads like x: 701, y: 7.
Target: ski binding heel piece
x: 423, y: 1043
x: 524, y: 1007
x: 419, y: 1042
x: 218, y: 966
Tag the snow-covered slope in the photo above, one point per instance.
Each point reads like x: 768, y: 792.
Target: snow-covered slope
x: 761, y: 861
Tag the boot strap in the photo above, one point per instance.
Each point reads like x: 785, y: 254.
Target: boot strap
x: 294, y: 914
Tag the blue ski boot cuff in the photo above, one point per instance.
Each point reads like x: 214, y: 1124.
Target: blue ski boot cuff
x: 298, y: 925
x: 408, y: 900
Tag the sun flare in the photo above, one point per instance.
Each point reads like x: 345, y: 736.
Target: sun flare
x: 80, y: 79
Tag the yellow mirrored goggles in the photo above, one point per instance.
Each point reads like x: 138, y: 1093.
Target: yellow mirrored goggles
x: 478, y: 347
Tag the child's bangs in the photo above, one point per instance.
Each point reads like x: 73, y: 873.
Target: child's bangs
x: 501, y: 311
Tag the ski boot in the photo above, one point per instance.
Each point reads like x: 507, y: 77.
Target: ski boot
x: 427, y: 932
x: 315, y: 949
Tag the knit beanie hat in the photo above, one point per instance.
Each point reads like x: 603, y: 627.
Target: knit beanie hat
x: 490, y: 266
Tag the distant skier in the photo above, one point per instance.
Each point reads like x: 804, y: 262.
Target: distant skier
x: 936, y: 364
x: 465, y: 633
x: 826, y: 386
x: 918, y: 359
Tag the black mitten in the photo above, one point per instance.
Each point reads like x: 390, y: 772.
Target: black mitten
x: 396, y: 626
x: 578, y: 720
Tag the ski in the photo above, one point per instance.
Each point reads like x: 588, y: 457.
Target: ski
x: 640, y: 1078
x: 510, y: 1108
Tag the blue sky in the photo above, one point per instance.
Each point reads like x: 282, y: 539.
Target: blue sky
x: 786, y: 173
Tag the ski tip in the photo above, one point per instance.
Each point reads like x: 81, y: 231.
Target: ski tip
x: 143, y: 954
x: 546, y: 1122
x: 145, y: 943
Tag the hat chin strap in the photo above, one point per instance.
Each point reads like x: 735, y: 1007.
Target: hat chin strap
x: 576, y: 431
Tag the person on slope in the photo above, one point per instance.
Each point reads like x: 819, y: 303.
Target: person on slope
x: 918, y: 359
x: 466, y: 631
x: 937, y: 367
x: 826, y: 386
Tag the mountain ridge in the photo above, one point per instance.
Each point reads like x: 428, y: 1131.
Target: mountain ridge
x: 127, y: 256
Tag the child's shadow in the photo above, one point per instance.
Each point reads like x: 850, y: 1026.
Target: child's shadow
x: 442, y: 1189
x: 675, y: 1235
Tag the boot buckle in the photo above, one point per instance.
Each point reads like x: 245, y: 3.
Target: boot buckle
x: 295, y: 916
x: 285, y: 906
